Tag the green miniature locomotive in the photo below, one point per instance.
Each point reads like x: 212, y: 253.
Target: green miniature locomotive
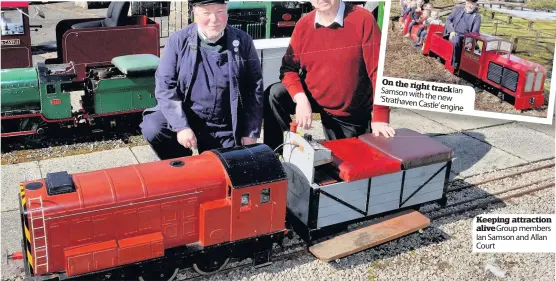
x: 41, y: 98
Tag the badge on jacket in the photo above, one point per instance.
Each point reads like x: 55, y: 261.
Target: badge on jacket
x: 235, y: 43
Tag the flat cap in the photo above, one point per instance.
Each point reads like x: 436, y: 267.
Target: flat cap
x: 207, y: 2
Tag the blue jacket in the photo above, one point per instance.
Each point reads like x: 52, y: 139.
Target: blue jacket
x: 461, y: 22
x: 176, y: 70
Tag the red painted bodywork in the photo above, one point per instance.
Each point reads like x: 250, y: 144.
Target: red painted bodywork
x: 14, y: 4
x: 439, y: 46
x: 123, y: 215
x: 19, y: 55
x: 478, y: 65
x: 89, y: 47
x: 356, y: 160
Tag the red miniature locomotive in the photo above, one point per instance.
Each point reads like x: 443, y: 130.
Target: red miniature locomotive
x: 490, y: 60
x: 196, y: 209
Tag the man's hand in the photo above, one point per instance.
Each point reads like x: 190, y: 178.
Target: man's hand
x: 248, y: 141
x: 468, y: 46
x: 303, y: 111
x: 187, y: 138
x: 452, y: 34
x: 382, y: 128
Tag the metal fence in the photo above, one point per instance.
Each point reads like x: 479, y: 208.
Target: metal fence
x: 168, y: 15
x: 258, y: 20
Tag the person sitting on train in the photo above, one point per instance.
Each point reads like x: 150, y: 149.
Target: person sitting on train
x: 209, y: 87
x: 338, y: 76
x: 423, y: 30
x: 461, y: 21
x: 424, y: 15
x: 408, y: 11
x: 403, y: 6
x: 415, y: 12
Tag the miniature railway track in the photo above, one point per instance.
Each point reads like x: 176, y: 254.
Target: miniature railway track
x: 543, y: 184
x: 502, y: 177
x: 278, y: 257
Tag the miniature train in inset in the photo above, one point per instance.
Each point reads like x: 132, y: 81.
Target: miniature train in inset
x: 490, y: 61
x: 238, y: 202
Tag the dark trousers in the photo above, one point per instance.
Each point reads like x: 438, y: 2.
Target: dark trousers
x: 457, y: 42
x: 421, y: 33
x: 278, y: 106
x: 164, y: 141
x: 411, y: 26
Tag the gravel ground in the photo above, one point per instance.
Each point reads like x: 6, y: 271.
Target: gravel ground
x: 546, y: 175
x: 54, y: 150
x: 498, y: 173
x: 441, y: 252
x: 414, y: 64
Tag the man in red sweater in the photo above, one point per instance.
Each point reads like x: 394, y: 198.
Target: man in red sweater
x: 330, y: 68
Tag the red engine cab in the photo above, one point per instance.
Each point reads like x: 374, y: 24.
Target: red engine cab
x: 86, y: 222
x: 489, y: 59
x: 16, y: 37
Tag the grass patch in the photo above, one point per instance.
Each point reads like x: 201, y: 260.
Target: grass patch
x: 541, y: 51
x: 542, y: 4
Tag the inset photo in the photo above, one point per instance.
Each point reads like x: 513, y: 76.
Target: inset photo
x: 504, y: 50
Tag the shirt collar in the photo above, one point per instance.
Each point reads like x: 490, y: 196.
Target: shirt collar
x: 339, y: 16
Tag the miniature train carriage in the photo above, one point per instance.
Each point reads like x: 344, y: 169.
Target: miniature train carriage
x: 335, y: 183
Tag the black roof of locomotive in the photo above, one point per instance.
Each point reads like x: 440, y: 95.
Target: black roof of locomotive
x: 251, y: 165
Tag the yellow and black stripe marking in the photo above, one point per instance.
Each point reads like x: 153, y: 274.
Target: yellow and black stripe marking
x: 26, y: 228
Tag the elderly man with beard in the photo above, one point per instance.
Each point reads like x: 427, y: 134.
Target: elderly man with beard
x: 209, y: 87
x: 461, y: 21
x: 330, y: 68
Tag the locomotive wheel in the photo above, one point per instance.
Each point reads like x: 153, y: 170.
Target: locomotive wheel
x: 208, y: 267
x: 37, y: 124
x: 501, y: 97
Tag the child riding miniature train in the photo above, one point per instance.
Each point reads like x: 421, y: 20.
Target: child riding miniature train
x: 462, y: 20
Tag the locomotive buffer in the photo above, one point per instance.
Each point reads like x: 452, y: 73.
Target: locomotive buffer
x: 334, y: 184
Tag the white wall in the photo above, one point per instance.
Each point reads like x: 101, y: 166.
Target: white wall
x: 271, y: 52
